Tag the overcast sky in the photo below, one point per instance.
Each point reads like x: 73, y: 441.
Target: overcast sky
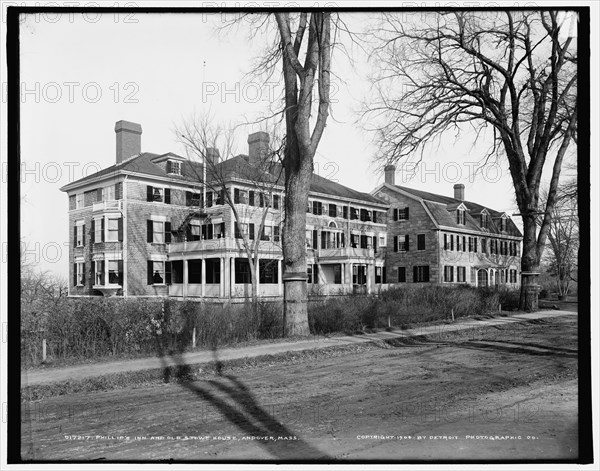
x: 80, y: 74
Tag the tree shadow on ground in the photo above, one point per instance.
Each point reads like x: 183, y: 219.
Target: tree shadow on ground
x: 520, y: 348
x: 239, y: 406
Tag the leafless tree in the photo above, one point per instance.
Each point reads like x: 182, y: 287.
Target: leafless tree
x: 563, y: 239
x: 512, y: 73
x: 212, y: 146
x: 301, y: 51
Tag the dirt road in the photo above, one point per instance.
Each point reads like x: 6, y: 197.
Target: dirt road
x: 506, y: 392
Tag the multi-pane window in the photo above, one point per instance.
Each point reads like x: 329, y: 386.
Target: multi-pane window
x: 448, y: 274
x: 483, y: 220
x: 174, y: 167
x: 317, y: 208
x: 241, y: 229
x: 79, y: 234
x: 420, y: 241
x: 158, y: 232
x: 337, y: 274
x: 402, y: 244
x: 332, y: 210
x: 195, y: 271
x: 193, y: 199
x: 275, y: 201
x: 503, y: 224
x: 267, y: 233
x: 378, y: 277
x: 353, y: 213
x: 421, y: 274
x: 268, y: 271
x: 99, y: 272
x: 98, y: 226
x: 79, y: 201
x: 243, y: 274
x: 401, y: 274
x: 483, y: 245
x: 112, y: 230
x: 109, y: 193
x: 114, y: 271
x: 276, y: 235
x: 382, y: 240
x: 79, y: 273
x: 460, y: 217
x: 461, y: 274
x: 194, y: 230
x: 312, y: 270
x: 400, y: 214
x: 156, y: 272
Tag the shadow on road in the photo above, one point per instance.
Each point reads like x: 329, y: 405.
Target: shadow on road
x: 520, y: 348
x: 235, y: 401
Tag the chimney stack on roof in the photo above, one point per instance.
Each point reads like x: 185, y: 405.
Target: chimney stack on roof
x: 129, y: 140
x: 390, y: 174
x: 258, y: 147
x: 459, y: 192
x: 213, y: 155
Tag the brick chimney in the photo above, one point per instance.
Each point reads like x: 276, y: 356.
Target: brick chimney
x: 390, y: 174
x: 459, y: 192
x: 129, y: 140
x: 213, y: 155
x: 258, y: 147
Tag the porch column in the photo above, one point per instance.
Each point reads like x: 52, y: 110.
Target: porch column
x: 349, y: 276
x: 370, y: 278
x: 222, y: 280
x: 203, y: 278
x: 258, y: 276
x: 185, y: 278
x: 279, y: 277
x: 231, y: 276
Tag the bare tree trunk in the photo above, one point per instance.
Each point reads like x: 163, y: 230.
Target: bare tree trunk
x: 294, y: 245
x: 530, y: 265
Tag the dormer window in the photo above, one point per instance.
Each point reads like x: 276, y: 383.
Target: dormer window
x: 503, y: 224
x: 484, y: 220
x: 173, y: 167
x: 460, y: 216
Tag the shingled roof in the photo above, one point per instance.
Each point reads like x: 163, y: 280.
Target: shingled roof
x: 442, y: 210
x: 237, y: 167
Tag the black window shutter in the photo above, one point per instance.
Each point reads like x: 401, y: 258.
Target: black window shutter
x: 445, y: 241
x: 169, y: 167
x: 168, y: 232
x: 188, y: 198
x: 223, y: 230
x: 99, y: 194
x: 93, y: 232
x: 120, y: 226
x: 203, y: 231
x: 343, y: 239
x: 102, y: 230
x: 149, y: 234
x: 395, y: 214
x: 236, y: 196
x: 83, y: 234
x: 74, y: 274
x: 374, y: 216
x: 395, y: 243
x: 323, y: 239
x: 251, y: 230
x: 251, y: 198
x: 475, y: 244
x: 384, y: 274
x: 83, y: 273
x: 120, y: 268
x: 150, y: 274
x: 345, y: 212
x: 209, y: 231
x: 315, y: 239
x: 167, y: 195
x: 406, y: 212
x: 75, y: 235
x: 101, y: 270
x: 315, y: 207
x: 406, y: 242
x: 93, y: 274
x: 426, y: 273
x: 316, y: 273
x: 168, y: 273
x: 149, y: 193
x: 415, y: 274
x: 118, y: 191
